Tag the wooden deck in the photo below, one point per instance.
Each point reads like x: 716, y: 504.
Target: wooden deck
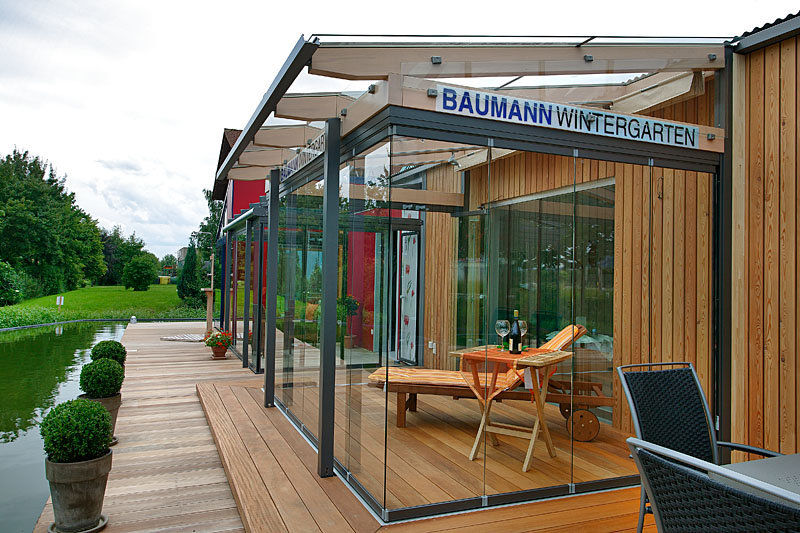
x: 168, y: 475
x: 166, y: 472
x: 272, y: 470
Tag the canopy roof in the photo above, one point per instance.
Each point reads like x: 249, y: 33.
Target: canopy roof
x: 364, y: 73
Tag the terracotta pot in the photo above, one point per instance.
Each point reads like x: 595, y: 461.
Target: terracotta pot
x: 220, y: 352
x: 111, y: 404
x: 348, y: 341
x: 77, y: 490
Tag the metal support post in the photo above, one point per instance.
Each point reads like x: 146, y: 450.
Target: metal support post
x: 330, y: 253
x: 272, y: 288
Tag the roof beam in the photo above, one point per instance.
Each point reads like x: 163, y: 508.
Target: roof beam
x: 285, y: 136
x: 266, y: 157
x: 250, y: 173
x: 310, y: 107
x: 680, y: 87
x: 588, y: 94
x: 377, y: 62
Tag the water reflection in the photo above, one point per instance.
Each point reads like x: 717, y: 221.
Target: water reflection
x: 38, y: 368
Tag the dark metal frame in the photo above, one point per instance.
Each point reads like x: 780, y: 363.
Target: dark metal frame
x: 330, y: 252
x: 763, y: 38
x: 255, y: 361
x: 272, y: 288
x: 248, y: 262
x: 477, y: 132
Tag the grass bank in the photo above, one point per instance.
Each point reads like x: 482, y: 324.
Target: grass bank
x: 160, y: 301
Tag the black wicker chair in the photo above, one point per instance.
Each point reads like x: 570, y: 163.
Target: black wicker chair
x: 688, y: 494
x: 669, y: 409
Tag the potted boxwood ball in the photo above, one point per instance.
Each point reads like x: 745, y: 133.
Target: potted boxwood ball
x: 101, y: 381
x: 110, y: 350
x: 76, y: 436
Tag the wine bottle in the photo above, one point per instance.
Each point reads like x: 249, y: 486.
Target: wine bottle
x: 515, y: 335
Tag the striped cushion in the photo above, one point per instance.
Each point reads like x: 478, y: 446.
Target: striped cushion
x: 429, y: 376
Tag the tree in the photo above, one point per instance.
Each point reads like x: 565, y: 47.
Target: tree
x: 50, y: 242
x: 206, y: 236
x: 189, y: 280
x: 168, y: 264
x: 10, y: 285
x: 139, y: 273
x: 117, y: 252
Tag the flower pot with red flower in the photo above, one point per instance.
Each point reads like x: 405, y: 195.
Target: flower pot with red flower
x: 219, y: 341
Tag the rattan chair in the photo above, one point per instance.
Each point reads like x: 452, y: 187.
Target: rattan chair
x: 669, y: 409
x: 688, y: 494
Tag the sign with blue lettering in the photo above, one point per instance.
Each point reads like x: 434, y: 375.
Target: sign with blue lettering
x: 492, y: 106
x: 314, y: 149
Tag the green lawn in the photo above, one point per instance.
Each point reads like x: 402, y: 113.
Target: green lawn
x: 160, y: 301
x: 157, y: 298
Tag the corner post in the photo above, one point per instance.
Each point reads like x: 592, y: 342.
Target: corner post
x: 330, y: 259
x: 273, y: 211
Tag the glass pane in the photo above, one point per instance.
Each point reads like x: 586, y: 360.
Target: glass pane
x: 361, y: 318
x: 428, y: 440
x: 531, y: 267
x: 611, y: 258
x: 237, y: 289
x: 252, y: 295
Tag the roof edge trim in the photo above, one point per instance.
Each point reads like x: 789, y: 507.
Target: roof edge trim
x: 294, y: 64
x: 763, y: 38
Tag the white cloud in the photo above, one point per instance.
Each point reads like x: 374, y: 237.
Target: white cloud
x: 129, y: 98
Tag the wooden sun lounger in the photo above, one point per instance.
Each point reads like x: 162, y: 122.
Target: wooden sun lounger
x: 407, y: 382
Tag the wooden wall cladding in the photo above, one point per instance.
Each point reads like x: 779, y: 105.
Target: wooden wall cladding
x: 662, y: 272
x: 764, y: 363
x: 439, y: 295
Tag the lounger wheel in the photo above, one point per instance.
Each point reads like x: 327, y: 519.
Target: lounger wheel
x: 566, y: 410
x: 583, y: 425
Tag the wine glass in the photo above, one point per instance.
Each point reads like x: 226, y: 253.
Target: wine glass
x: 523, y: 329
x: 502, y: 327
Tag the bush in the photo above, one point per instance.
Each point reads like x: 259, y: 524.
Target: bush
x: 189, y: 283
x: 110, y: 350
x: 10, y: 285
x: 77, y: 430
x: 139, y: 273
x: 102, y: 378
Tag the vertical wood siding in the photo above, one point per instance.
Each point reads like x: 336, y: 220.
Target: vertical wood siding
x: 765, y: 234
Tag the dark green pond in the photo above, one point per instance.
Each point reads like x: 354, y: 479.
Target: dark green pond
x: 38, y: 368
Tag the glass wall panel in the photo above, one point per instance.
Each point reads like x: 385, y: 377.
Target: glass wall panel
x: 237, y: 288
x: 430, y: 434
x: 260, y: 232
x: 531, y: 269
x: 299, y: 292
x: 362, y: 332
x: 610, y: 287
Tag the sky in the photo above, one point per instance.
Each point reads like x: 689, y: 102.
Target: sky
x: 129, y: 99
